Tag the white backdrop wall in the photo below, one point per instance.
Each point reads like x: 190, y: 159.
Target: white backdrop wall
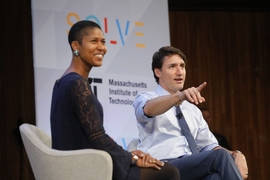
x: 134, y: 30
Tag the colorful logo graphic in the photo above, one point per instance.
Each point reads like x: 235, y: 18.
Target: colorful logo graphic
x: 121, y: 32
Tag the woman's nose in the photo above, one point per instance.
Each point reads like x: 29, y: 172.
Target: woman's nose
x: 102, y: 46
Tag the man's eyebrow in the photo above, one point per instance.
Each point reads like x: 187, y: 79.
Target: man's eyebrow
x: 172, y: 64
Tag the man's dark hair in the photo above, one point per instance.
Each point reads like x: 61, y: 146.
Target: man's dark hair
x: 80, y: 29
x: 158, y: 57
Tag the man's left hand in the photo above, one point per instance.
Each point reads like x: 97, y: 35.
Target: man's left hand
x: 241, y: 163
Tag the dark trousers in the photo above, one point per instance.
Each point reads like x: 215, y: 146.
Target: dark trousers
x: 208, y: 165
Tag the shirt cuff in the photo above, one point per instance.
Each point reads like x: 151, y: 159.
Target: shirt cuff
x: 210, y: 147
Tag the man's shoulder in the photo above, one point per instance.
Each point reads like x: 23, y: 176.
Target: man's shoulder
x: 150, y: 93
x: 147, y: 95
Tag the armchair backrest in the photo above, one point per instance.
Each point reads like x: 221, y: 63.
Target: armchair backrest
x: 51, y: 164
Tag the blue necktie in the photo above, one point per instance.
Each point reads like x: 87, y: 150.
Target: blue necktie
x: 186, y: 131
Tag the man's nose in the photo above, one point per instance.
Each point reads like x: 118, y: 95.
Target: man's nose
x: 179, y: 70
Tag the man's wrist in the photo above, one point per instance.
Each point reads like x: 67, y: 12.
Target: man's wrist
x: 177, y: 100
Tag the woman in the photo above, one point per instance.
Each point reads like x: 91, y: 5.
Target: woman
x: 77, y: 115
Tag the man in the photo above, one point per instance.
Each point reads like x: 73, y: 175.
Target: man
x: 222, y: 140
x: 162, y: 136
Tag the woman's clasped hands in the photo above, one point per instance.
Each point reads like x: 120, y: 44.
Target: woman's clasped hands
x: 145, y: 160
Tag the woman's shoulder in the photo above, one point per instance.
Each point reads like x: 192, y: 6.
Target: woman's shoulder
x: 72, y: 76
x: 71, y: 80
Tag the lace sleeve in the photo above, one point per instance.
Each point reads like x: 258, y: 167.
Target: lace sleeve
x: 86, y: 109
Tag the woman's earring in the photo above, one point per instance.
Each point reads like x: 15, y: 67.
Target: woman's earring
x: 76, y: 53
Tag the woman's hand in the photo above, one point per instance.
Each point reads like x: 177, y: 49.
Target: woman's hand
x: 145, y: 160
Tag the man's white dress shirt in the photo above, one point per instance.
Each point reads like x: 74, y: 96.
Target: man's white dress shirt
x: 161, y: 136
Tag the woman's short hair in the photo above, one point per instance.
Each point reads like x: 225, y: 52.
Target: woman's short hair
x: 81, y: 29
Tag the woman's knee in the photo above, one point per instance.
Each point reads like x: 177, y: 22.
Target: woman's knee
x: 171, y: 171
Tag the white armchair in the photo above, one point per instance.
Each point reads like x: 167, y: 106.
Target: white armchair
x: 51, y: 164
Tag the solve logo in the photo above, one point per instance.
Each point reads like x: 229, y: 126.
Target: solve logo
x: 122, y: 32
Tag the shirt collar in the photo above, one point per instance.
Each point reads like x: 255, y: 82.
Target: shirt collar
x: 161, y: 91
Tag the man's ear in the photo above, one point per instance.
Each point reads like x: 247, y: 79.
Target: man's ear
x: 74, y: 45
x: 157, y: 72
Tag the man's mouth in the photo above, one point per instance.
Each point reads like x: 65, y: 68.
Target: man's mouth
x: 179, y: 80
